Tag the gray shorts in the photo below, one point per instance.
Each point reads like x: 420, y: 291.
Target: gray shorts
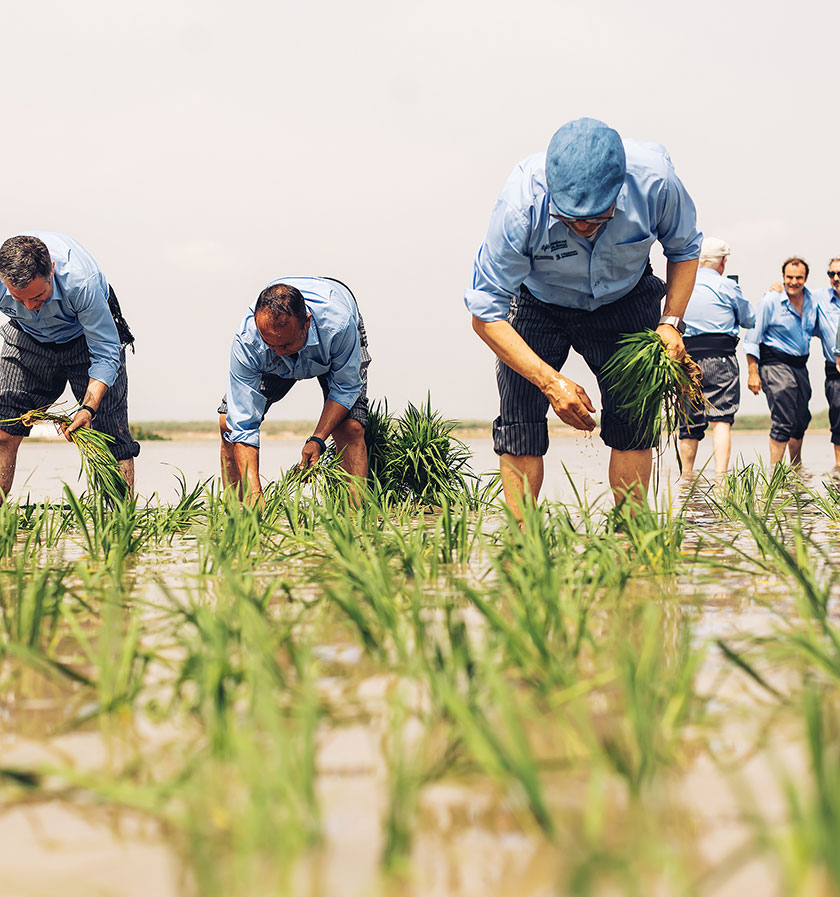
x: 722, y: 390
x: 275, y: 388
x: 34, y: 374
x: 832, y: 394
x: 788, y: 391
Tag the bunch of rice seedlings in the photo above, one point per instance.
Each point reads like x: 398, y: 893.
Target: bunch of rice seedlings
x: 657, y: 389
x: 98, y: 463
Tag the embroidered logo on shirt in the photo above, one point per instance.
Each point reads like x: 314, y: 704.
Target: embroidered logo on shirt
x: 565, y: 255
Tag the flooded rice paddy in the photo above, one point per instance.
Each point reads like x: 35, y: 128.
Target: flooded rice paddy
x: 197, y: 698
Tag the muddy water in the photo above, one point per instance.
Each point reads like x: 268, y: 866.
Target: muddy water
x: 467, y: 842
x: 44, y: 466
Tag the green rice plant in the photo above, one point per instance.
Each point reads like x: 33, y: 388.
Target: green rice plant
x: 162, y: 523
x: 748, y: 490
x: 827, y: 501
x: 653, y: 698
x: 805, y: 846
x: 98, y: 463
x: 655, y: 387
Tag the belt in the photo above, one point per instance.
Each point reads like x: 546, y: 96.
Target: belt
x: 769, y: 355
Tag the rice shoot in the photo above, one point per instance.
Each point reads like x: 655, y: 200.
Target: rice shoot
x: 98, y: 462
x: 654, y: 388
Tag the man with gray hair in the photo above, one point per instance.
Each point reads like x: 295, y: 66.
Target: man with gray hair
x: 828, y: 330
x: 298, y: 328
x: 716, y: 311
x: 66, y: 326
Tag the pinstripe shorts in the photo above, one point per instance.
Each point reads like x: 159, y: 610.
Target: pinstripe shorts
x: 788, y: 391
x: 33, y: 374
x: 551, y: 330
x: 722, y: 390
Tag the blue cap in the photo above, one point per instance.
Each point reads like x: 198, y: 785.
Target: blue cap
x: 584, y: 168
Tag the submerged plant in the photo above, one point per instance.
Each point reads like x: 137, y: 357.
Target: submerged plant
x: 656, y: 387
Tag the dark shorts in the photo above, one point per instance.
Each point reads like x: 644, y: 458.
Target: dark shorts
x: 551, y: 330
x: 275, y: 388
x: 722, y: 390
x: 832, y: 394
x: 788, y: 392
x: 34, y: 374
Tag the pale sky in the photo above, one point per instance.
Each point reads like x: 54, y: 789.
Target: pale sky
x: 202, y: 149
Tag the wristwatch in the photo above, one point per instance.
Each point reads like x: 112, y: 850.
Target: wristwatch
x: 677, y: 323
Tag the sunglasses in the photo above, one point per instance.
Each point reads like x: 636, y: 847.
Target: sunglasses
x: 833, y: 274
x: 600, y: 220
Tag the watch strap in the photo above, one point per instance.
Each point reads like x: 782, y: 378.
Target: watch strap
x: 90, y: 410
x: 320, y: 442
x: 677, y: 323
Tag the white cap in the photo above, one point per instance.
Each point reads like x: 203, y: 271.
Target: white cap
x: 713, y: 249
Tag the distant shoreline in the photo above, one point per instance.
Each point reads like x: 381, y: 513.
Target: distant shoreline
x: 466, y: 429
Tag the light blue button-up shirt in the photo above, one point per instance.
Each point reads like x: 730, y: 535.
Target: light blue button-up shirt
x: 332, y: 348
x: 828, y: 322
x: 717, y: 305
x: 524, y: 245
x: 779, y: 326
x: 78, y: 305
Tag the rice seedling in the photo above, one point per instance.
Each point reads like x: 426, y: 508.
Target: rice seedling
x: 98, y: 463
x: 656, y: 387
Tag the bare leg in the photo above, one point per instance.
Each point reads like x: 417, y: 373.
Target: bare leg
x: 722, y: 438
x: 515, y: 471
x: 127, y: 470
x: 630, y: 471
x: 777, y: 451
x: 837, y: 455
x: 795, y: 450
x: 349, y: 438
x: 9, y: 446
x: 230, y: 472
x: 688, y: 452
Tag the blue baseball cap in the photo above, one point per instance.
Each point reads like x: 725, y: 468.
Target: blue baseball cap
x: 584, y: 168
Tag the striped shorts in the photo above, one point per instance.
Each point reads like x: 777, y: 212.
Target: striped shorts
x: 832, y: 395
x: 722, y: 390
x: 551, y: 330
x: 33, y: 374
x: 788, y: 391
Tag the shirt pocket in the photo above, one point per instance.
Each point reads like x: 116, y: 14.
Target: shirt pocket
x: 628, y: 259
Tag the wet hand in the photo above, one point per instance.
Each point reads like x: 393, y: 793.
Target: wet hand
x: 570, y: 403
x: 754, y: 383
x: 309, y: 456
x: 82, y: 418
x: 673, y: 340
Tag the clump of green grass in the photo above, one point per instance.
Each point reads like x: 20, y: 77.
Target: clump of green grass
x: 656, y: 387
x: 98, y: 462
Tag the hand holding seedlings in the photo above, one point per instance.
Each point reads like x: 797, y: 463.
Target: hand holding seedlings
x: 82, y: 418
x: 570, y: 402
x: 673, y: 340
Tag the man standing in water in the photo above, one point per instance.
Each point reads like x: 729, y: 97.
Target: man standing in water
x: 828, y: 327
x: 66, y: 326
x: 777, y: 354
x: 565, y: 265
x: 299, y: 328
x: 716, y: 312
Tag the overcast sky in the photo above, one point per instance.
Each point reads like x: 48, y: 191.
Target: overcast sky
x: 202, y: 149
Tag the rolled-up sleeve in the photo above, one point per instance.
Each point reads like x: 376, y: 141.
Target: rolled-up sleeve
x: 245, y: 403
x: 501, y: 264
x: 677, y: 219
x: 91, y: 305
x: 344, y: 378
x: 744, y: 314
x: 752, y: 340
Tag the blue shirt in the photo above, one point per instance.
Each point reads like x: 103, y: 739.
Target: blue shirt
x: 780, y: 326
x: 524, y: 245
x: 828, y: 322
x: 717, y: 305
x: 78, y: 305
x: 332, y: 348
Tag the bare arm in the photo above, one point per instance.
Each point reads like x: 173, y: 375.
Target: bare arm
x: 247, y: 458
x: 94, y: 394
x: 332, y: 415
x: 680, y: 279
x: 753, y: 379
x: 569, y: 401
